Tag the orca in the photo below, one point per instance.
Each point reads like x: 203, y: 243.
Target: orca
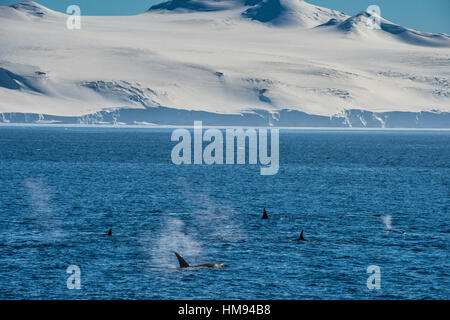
x: 110, y: 232
x: 388, y: 224
x: 265, y: 216
x: 396, y: 231
x: 184, y: 264
x: 301, y: 238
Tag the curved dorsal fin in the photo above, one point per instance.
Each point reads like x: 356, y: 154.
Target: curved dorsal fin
x: 301, y: 236
x: 181, y: 261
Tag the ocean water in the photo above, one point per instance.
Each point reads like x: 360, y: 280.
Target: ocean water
x: 61, y: 189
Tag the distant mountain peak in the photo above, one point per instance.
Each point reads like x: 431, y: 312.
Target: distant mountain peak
x: 32, y: 8
x: 29, y: 6
x: 199, y: 5
x: 291, y: 12
x: 273, y: 12
x: 24, y: 4
x: 363, y: 22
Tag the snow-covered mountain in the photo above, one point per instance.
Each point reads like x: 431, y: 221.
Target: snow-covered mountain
x: 249, y: 62
x: 275, y: 12
x: 199, y: 5
x: 28, y: 10
x: 357, y: 26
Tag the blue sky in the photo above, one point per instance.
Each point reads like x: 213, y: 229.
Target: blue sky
x: 423, y: 15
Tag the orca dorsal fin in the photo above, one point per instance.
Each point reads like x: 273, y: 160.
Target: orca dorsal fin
x: 301, y: 236
x: 110, y: 232
x: 181, y: 261
x: 265, y: 215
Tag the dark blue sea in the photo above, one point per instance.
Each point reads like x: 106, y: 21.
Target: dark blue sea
x: 62, y: 189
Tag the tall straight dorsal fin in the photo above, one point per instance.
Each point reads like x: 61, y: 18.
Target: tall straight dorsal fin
x: 265, y: 216
x: 181, y: 261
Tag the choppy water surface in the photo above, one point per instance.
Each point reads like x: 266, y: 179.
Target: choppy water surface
x: 61, y: 189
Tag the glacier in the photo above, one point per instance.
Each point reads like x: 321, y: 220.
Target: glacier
x: 282, y: 63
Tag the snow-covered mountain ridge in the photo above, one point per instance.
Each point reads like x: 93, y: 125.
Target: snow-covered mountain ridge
x: 226, y: 58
